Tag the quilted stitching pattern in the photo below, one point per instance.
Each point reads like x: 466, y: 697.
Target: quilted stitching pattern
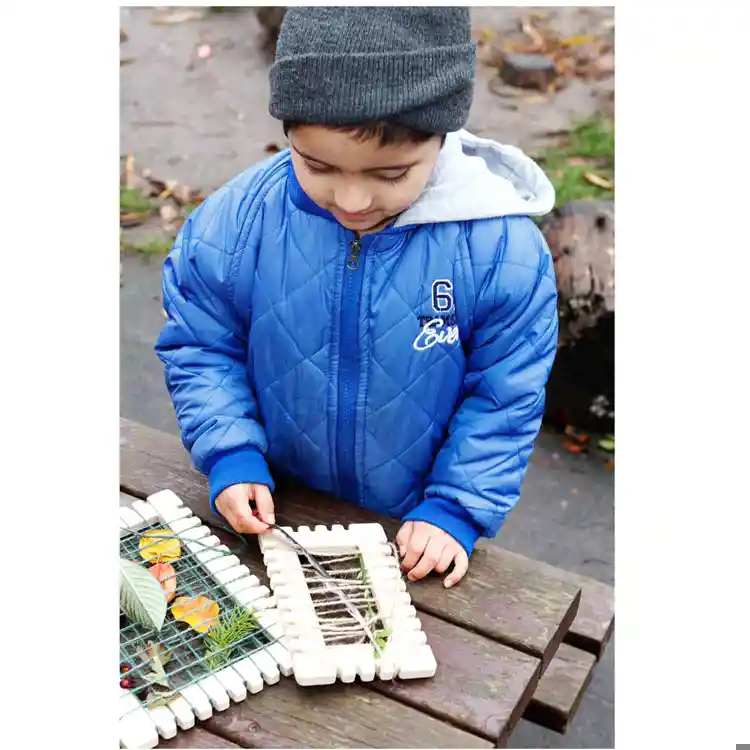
x: 455, y: 420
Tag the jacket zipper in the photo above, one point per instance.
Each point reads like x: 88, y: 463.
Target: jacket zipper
x: 349, y: 372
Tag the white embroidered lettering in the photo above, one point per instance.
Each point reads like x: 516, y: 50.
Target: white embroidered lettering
x: 435, y: 332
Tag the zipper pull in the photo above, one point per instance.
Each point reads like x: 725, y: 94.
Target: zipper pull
x: 355, y: 247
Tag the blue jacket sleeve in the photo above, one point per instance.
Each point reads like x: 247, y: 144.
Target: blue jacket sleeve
x: 476, y: 478
x: 204, y: 344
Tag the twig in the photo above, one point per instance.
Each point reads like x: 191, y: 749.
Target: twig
x: 532, y: 33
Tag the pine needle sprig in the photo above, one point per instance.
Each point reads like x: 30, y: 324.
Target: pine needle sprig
x: 232, y: 629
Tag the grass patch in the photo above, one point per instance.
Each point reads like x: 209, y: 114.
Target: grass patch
x: 132, y: 201
x: 157, y: 244
x: 588, y: 150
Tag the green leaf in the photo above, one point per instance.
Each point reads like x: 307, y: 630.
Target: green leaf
x: 607, y: 443
x: 141, y: 596
x: 381, y: 638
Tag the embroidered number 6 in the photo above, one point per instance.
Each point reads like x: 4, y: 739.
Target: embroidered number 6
x: 442, y: 299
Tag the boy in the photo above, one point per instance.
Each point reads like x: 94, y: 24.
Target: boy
x: 371, y: 312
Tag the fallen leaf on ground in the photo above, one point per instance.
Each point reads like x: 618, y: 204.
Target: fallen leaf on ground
x: 572, y: 447
x: 134, y: 219
x: 578, y: 39
x: 603, y: 65
x: 610, y: 465
x: 601, y: 182
x: 200, y: 612
x: 607, y: 443
x: 129, y: 182
x: 168, y: 213
x: 574, y: 435
x: 272, y: 148
x: 180, y: 17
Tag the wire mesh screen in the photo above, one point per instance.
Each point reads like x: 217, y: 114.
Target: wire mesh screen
x: 205, y: 630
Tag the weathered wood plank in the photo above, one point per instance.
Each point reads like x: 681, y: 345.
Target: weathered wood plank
x: 496, y: 681
x: 332, y: 716
x: 150, y: 463
x: 594, y: 623
x: 555, y: 699
x: 485, y: 684
x: 506, y: 597
x: 560, y: 690
x: 197, y: 738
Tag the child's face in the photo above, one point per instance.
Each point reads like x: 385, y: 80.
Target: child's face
x: 362, y: 183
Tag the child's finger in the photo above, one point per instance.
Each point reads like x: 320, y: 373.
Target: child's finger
x: 264, y: 503
x: 430, y: 558
x: 403, y: 536
x: 415, y: 547
x: 445, y: 559
x: 244, y: 521
x: 459, y: 570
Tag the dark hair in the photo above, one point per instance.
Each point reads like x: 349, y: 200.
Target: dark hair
x: 386, y: 132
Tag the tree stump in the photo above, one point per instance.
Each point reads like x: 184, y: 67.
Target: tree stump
x: 270, y: 18
x: 580, y: 236
x: 528, y: 71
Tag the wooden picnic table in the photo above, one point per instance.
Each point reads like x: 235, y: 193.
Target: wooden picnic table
x: 516, y: 638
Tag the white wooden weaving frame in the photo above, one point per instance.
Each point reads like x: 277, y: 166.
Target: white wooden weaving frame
x: 314, y: 662
x: 141, y: 727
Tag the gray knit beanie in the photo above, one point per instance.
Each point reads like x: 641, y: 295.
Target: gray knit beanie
x: 413, y: 66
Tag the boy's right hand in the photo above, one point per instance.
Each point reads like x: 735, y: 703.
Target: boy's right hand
x: 234, y: 503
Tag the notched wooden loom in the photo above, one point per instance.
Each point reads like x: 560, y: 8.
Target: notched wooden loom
x: 326, y: 639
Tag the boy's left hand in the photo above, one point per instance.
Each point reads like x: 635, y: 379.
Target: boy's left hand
x: 425, y: 547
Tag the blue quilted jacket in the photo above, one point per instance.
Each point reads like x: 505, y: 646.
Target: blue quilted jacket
x: 404, y: 372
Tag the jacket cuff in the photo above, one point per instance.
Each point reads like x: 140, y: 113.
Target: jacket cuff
x: 244, y: 465
x: 449, y: 516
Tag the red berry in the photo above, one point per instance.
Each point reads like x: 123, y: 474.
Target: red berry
x: 126, y: 683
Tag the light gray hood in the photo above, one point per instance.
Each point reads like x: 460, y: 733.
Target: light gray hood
x: 476, y: 178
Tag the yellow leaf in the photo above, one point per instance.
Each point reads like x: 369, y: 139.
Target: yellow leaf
x: 179, y: 17
x: 573, y: 41
x: 200, y: 612
x: 160, y: 545
x: 594, y: 179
